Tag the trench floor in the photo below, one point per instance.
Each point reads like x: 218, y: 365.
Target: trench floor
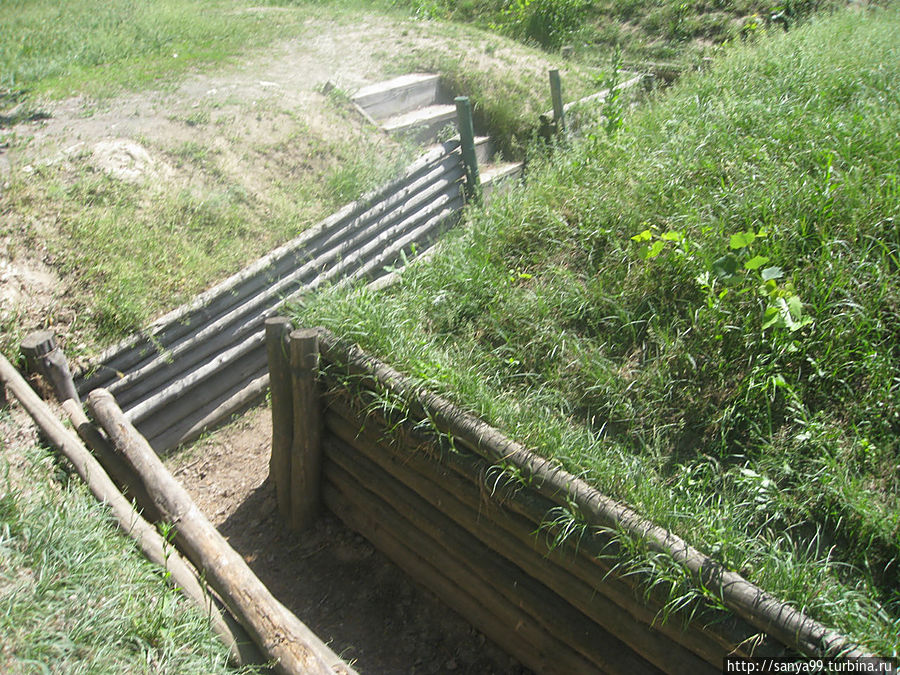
x: 348, y: 593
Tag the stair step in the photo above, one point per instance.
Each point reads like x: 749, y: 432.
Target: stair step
x: 484, y: 149
x: 498, y: 178
x: 400, y: 95
x: 423, y: 123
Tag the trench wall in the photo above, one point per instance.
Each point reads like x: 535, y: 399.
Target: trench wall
x: 206, y: 360
x: 466, y: 526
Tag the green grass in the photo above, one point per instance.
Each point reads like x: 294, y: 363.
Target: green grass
x: 700, y: 313
x: 96, y: 48
x: 676, y: 32
x: 129, y: 251
x: 76, y: 596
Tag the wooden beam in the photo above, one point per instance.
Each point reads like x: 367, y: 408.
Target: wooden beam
x: 128, y: 518
x: 281, y: 636
x: 518, y: 542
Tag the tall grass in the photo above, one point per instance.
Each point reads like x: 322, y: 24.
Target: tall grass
x: 668, y: 30
x: 700, y: 312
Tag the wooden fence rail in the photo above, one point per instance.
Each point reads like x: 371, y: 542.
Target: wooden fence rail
x: 431, y: 486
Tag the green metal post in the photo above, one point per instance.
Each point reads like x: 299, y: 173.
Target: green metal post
x: 467, y: 147
x: 559, y: 112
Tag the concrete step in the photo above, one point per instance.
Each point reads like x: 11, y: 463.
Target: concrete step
x: 498, y: 178
x: 421, y: 124
x: 484, y: 149
x: 403, y: 94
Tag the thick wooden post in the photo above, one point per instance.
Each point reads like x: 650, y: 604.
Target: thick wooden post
x: 467, y: 147
x: 306, y: 450
x: 277, y: 330
x: 559, y: 111
x: 43, y: 356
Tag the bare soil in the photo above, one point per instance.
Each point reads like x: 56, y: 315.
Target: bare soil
x: 348, y: 593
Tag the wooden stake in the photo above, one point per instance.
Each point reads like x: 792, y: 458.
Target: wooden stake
x: 281, y: 636
x: 306, y: 450
x: 277, y: 330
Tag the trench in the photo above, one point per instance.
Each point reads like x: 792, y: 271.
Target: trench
x: 555, y: 611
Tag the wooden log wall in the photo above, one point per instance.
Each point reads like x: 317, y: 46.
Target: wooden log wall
x: 431, y: 487
x: 206, y: 360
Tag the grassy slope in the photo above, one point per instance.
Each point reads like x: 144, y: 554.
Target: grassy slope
x: 674, y: 32
x: 89, y: 48
x: 731, y: 372
x: 76, y: 597
x: 116, y: 244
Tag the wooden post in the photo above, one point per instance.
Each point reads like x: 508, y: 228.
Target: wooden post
x: 277, y: 330
x: 559, y: 113
x: 43, y: 356
x: 281, y: 636
x: 306, y: 450
x: 467, y: 147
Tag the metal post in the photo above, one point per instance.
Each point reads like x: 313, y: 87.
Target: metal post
x: 559, y: 111
x: 467, y: 147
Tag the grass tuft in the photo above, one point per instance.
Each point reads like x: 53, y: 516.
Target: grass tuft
x: 77, y: 597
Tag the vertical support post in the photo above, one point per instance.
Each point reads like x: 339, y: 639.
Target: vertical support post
x: 467, y: 147
x: 277, y: 330
x: 306, y: 451
x: 559, y: 111
x: 44, y: 356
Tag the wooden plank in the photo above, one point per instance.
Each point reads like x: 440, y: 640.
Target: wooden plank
x: 524, y: 548
x: 166, y: 331
x: 418, y: 556
x: 326, y: 258
x: 220, y: 411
